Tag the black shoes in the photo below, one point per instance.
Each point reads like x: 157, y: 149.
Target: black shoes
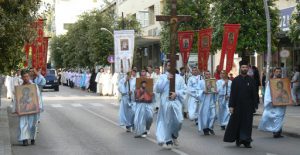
x: 32, y: 142
x: 206, y: 132
x: 277, y: 136
x: 237, y: 143
x: 25, y: 142
x: 211, y: 131
x: 246, y: 144
x: 223, y: 128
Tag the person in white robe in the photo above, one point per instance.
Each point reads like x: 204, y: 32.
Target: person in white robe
x: 28, y: 123
x: 143, y: 110
x: 98, y: 80
x: 193, y: 91
x: 9, y: 86
x: 156, y: 98
x: 223, y: 89
x: 87, y: 80
x: 273, y: 116
x: 170, y: 116
x: 207, y: 108
x: 107, y: 83
x: 126, y: 112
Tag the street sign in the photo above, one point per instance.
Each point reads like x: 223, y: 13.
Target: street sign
x: 111, y: 58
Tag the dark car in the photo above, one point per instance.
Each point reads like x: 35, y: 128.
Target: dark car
x: 51, y: 80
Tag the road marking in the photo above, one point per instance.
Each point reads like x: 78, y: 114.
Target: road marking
x: 116, y: 124
x: 97, y: 104
x: 271, y: 154
x: 77, y: 105
x: 56, y: 105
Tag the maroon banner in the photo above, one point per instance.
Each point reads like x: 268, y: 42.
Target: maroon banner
x: 204, y: 45
x: 33, y: 56
x: 40, y: 42
x: 230, y: 37
x: 45, y: 45
x: 26, y: 49
x: 185, y: 39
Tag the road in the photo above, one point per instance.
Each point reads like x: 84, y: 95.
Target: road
x: 80, y: 123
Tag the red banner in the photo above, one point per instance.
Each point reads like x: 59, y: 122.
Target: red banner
x: 45, y: 45
x: 185, y: 39
x: 230, y: 37
x: 40, y: 41
x: 26, y: 49
x: 33, y: 56
x: 204, y: 45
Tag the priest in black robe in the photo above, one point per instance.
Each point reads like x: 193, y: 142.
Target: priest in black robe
x: 242, y: 103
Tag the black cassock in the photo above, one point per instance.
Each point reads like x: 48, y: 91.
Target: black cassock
x: 243, y: 99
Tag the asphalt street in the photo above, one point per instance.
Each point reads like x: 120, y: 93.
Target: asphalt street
x: 76, y: 122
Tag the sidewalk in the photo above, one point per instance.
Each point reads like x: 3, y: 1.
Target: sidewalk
x: 291, y: 124
x: 5, y: 145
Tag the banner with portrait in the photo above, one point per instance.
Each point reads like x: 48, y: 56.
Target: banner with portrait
x: 124, y: 50
x: 185, y: 39
x: 27, y: 100
x: 144, y: 90
x: 204, y: 45
x: 281, y: 92
x: 230, y: 38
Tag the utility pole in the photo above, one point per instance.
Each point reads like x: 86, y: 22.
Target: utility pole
x: 268, y: 39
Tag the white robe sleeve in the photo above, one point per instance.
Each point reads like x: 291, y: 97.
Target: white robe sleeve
x: 181, y: 88
x: 161, y: 83
x: 122, y: 87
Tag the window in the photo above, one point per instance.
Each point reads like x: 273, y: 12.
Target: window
x: 143, y: 18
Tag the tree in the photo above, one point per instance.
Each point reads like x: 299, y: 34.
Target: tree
x: 198, y: 9
x: 85, y: 44
x: 15, y: 30
x: 295, y: 25
x: 251, y: 16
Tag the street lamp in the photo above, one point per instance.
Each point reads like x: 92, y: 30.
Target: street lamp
x: 105, y: 29
x: 111, y: 64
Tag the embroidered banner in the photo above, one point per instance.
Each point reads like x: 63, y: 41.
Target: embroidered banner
x: 185, y: 39
x: 124, y: 50
x: 230, y: 37
x: 204, y: 45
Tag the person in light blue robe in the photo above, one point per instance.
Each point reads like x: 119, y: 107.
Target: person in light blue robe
x: 127, y: 104
x: 207, y: 108
x: 28, y: 123
x: 223, y: 89
x: 83, y: 80
x: 40, y: 81
x: 170, y: 116
x: 143, y: 110
x: 193, y: 89
x: 273, y: 116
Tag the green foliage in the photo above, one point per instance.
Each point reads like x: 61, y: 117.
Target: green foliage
x: 85, y: 44
x: 15, y: 18
x: 295, y: 25
x: 198, y: 9
x: 251, y: 16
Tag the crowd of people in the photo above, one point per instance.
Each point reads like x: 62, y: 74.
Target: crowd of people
x: 228, y: 100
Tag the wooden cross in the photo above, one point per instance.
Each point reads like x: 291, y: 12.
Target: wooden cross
x: 174, y: 20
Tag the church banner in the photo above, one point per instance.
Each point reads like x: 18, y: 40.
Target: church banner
x: 204, y: 45
x: 26, y: 49
x: 40, y: 43
x: 230, y: 38
x: 185, y: 39
x: 45, y: 45
x: 124, y: 48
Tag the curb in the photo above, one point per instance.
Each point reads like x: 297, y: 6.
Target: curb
x: 5, y: 144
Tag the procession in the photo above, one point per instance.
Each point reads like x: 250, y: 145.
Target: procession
x: 155, y: 81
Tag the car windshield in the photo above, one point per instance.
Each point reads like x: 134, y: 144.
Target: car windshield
x: 50, y: 72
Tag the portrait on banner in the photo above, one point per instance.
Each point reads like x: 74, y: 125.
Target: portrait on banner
x: 186, y: 43
x: 281, y: 92
x: 144, y: 90
x: 210, y: 85
x: 27, y: 99
x: 230, y: 37
x: 124, y: 44
x: 204, y: 42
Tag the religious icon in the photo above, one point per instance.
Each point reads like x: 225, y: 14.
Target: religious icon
x: 144, y: 90
x: 27, y: 100
x: 204, y: 42
x: 186, y: 43
x: 210, y: 85
x: 124, y: 45
x: 281, y: 92
x: 230, y: 38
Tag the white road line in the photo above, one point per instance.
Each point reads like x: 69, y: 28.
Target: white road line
x: 56, y: 105
x: 271, y: 154
x: 97, y: 104
x: 116, y: 124
x: 76, y: 105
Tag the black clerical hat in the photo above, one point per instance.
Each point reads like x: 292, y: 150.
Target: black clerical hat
x: 243, y: 62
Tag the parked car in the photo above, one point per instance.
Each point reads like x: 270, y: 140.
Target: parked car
x: 51, y: 80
